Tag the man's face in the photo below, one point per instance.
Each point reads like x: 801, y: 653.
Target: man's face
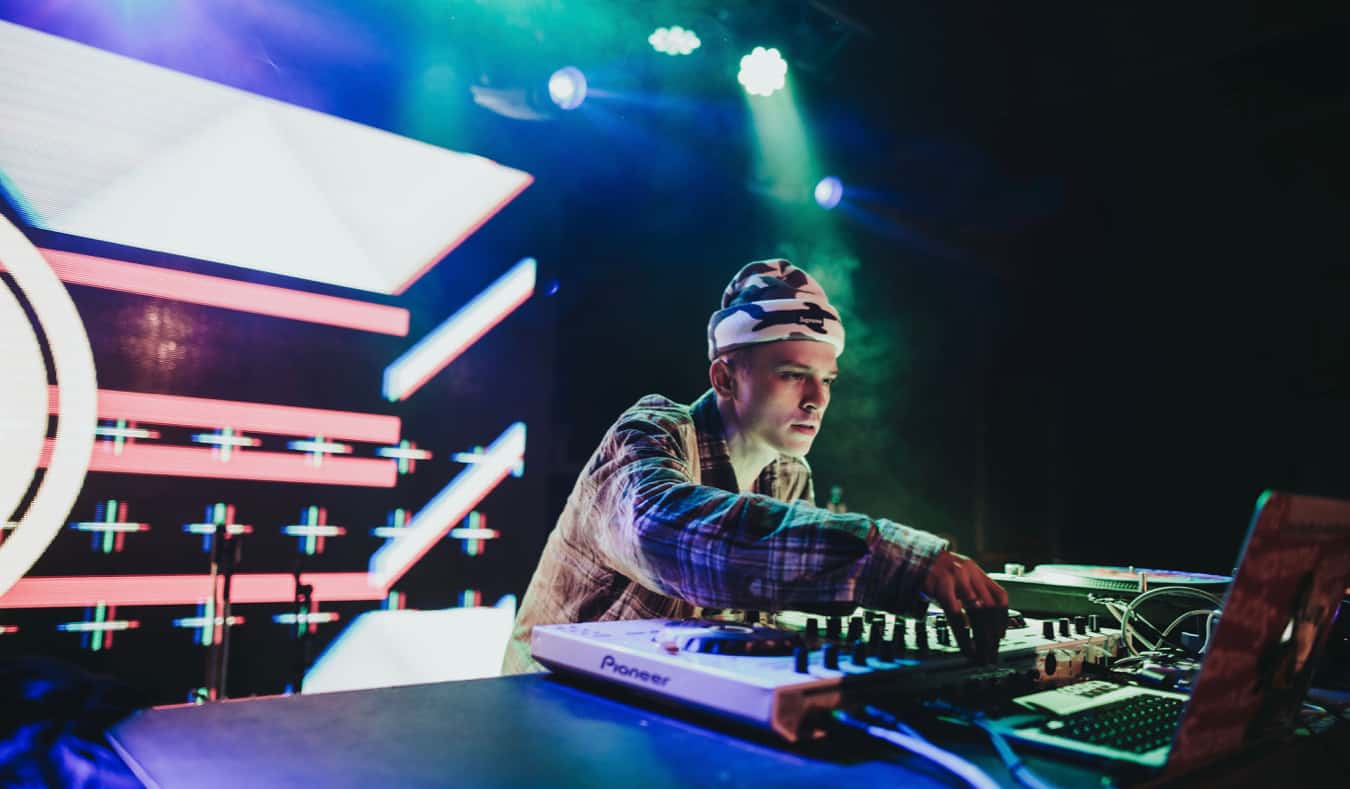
x: 782, y: 391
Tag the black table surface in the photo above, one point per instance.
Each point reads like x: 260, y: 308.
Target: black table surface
x: 529, y: 730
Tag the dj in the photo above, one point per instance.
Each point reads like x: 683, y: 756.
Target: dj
x: 712, y: 504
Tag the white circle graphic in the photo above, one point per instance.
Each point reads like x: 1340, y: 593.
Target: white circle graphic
x: 23, y: 404
x: 77, y: 395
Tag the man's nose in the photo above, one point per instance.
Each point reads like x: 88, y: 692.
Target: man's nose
x: 815, y: 397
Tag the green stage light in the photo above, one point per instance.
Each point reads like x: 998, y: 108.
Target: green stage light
x: 674, y: 40
x: 763, y: 72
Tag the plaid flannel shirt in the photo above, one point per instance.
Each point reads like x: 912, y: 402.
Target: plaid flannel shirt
x: 656, y: 528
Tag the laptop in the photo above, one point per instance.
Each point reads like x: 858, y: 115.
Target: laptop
x: 1276, y: 617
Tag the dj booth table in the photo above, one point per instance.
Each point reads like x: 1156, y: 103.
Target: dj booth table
x: 534, y: 730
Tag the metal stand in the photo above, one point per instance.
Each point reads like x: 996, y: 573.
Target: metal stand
x: 304, y: 603
x: 225, y: 554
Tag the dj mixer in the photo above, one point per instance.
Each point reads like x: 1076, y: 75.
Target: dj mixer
x: 785, y: 673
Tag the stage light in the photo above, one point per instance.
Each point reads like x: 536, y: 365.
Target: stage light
x: 567, y: 87
x: 674, y: 40
x: 763, y: 72
x: 829, y: 191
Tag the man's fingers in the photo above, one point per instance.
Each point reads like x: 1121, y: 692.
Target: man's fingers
x: 947, y: 596
x: 1001, y: 596
x: 985, y: 588
x: 990, y: 592
x: 966, y: 591
x: 956, y: 583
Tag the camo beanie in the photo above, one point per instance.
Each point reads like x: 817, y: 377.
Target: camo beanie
x: 772, y: 300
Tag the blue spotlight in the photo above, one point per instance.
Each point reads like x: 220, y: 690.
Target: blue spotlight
x: 829, y: 192
x: 567, y: 87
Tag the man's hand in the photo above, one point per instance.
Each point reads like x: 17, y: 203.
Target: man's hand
x: 955, y: 582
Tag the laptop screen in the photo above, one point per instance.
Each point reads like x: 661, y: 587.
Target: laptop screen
x: 1276, y: 618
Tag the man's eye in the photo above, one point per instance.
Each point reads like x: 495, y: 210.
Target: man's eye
x: 792, y: 376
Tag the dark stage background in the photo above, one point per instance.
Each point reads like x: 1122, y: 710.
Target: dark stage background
x: 1093, y: 264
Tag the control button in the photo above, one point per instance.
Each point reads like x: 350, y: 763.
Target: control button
x: 1080, y: 625
x: 859, y: 653
x: 1048, y: 630
x: 1094, y: 623
x: 831, y: 657
x: 921, y: 636
x: 799, y: 659
x: 1051, y: 663
x: 1064, y: 627
x: 832, y: 627
x: 944, y: 636
x: 752, y: 617
x: 855, y: 624
x: 812, y: 628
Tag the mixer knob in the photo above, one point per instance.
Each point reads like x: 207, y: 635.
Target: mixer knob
x: 888, y: 651
x: 1064, y: 627
x: 812, y: 629
x: 799, y: 659
x: 898, y: 636
x: 878, y: 634
x: 832, y: 627
x: 1048, y: 630
x: 831, y: 656
x: 752, y: 617
x: 1080, y: 625
x: 859, y: 653
x: 855, y: 628
x: 944, y: 636
x: 921, y: 635
x: 939, y: 621
x: 1094, y: 623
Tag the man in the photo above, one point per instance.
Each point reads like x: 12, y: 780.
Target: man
x: 712, y: 505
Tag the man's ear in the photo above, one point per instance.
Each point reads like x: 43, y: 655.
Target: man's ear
x: 722, y: 378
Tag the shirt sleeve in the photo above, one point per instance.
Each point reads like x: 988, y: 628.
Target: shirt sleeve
x: 719, y: 549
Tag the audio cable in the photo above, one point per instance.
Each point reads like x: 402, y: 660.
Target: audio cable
x: 1020, y: 770
x: 910, y: 740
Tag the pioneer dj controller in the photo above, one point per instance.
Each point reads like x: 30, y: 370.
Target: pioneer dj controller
x: 780, y: 673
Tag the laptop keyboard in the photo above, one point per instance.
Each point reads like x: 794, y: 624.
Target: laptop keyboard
x: 1138, y: 724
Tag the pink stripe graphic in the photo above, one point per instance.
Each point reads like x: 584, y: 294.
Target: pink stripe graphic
x: 261, y: 466
x: 439, y: 256
x: 478, y: 335
x: 449, y: 506
x: 283, y: 420
x: 490, y: 484
x: 230, y: 294
x: 118, y: 590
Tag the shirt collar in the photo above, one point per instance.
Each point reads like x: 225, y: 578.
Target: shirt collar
x: 714, y: 457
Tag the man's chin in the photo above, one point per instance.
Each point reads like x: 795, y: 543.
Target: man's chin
x: 797, y: 447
